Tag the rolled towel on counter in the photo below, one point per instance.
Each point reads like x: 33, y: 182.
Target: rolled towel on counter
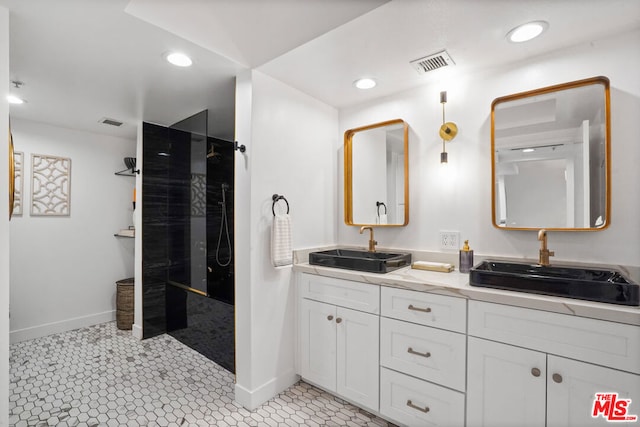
x: 281, y: 247
x: 433, y: 266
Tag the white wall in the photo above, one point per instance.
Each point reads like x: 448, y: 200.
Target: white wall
x: 291, y: 141
x: 458, y: 196
x: 4, y: 219
x: 136, y: 330
x: 64, y: 269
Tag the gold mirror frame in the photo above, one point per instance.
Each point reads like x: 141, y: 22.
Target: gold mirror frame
x: 12, y: 175
x: 604, y: 81
x: 348, y: 171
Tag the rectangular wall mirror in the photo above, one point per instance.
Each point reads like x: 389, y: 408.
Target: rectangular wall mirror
x: 376, y: 174
x: 550, y: 152
x: 12, y: 176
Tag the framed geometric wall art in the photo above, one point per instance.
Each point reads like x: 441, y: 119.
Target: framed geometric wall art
x: 18, y: 158
x: 50, y: 185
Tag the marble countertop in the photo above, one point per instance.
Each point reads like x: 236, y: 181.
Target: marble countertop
x: 457, y: 284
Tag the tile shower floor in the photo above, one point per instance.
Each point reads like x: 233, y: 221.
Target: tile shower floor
x: 102, y: 376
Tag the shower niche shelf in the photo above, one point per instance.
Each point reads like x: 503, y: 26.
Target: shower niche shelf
x: 127, y: 233
x: 130, y: 163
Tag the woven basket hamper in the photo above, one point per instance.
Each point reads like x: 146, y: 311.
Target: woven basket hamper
x: 124, y: 304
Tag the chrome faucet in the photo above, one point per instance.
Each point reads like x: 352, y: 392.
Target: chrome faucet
x: 545, y: 253
x: 372, y: 243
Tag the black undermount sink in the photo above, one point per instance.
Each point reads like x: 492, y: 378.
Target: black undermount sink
x: 592, y: 284
x: 352, y: 259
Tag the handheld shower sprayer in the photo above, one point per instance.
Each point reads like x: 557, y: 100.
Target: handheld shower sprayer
x: 224, y: 227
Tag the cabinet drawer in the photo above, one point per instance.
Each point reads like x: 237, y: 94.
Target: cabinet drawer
x: 601, y: 342
x: 428, y: 353
x: 343, y: 293
x: 414, y: 402
x: 426, y: 309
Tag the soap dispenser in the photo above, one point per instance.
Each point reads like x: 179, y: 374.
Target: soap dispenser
x: 466, y: 258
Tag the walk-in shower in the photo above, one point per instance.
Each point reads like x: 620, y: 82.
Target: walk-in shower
x: 188, y: 263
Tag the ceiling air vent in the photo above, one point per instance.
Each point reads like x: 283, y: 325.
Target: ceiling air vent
x: 432, y: 62
x: 110, y: 122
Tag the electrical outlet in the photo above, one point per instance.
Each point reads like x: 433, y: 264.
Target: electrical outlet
x: 450, y: 240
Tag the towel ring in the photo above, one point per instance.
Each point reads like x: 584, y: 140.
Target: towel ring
x: 378, y: 204
x: 275, y: 199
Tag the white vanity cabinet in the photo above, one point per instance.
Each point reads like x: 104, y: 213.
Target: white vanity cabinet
x: 533, y: 368
x: 338, y: 340
x: 422, y: 358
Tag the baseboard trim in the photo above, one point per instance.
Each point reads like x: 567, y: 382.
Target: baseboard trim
x: 61, y: 326
x: 136, y: 331
x: 251, y: 399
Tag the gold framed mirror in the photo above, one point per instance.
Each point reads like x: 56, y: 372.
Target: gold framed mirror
x: 550, y: 158
x: 12, y: 175
x: 376, y: 174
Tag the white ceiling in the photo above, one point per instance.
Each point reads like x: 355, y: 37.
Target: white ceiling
x: 250, y: 32
x: 82, y: 60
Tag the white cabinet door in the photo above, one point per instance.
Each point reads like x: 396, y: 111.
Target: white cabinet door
x: 571, y: 389
x: 318, y: 343
x: 358, y: 360
x: 506, y: 385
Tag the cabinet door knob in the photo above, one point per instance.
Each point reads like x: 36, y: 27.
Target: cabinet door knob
x: 417, y: 353
x: 411, y: 405
x: 557, y: 378
x: 535, y: 372
x: 424, y: 310
x: 338, y: 320
x: 329, y: 317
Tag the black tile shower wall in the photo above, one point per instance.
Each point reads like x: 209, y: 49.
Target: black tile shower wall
x: 155, y: 227
x: 165, y: 199
x: 179, y: 207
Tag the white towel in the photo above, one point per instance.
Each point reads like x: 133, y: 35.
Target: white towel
x: 281, y: 247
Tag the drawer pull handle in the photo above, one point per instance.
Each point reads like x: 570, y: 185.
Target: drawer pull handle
x: 338, y: 320
x: 424, y: 310
x: 535, y: 372
x: 329, y: 317
x: 411, y: 405
x: 417, y: 353
x: 557, y: 378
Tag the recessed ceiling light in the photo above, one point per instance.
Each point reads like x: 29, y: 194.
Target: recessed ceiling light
x: 14, y: 99
x: 365, y: 83
x: 528, y: 150
x: 526, y: 32
x: 179, y: 59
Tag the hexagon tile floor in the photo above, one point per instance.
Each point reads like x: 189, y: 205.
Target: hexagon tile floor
x: 102, y: 376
